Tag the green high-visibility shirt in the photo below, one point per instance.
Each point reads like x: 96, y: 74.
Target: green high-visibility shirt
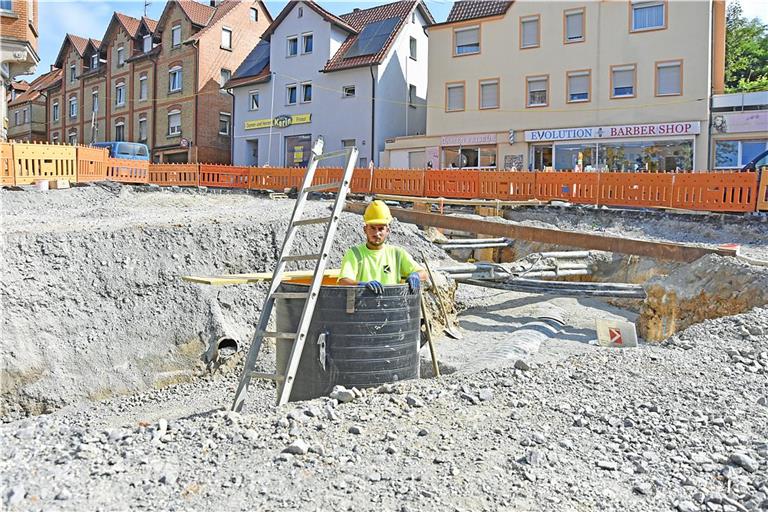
x: 388, y: 265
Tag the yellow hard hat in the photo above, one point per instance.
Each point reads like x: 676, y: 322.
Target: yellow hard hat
x: 377, y: 213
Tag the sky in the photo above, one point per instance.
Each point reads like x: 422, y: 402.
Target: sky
x: 89, y: 18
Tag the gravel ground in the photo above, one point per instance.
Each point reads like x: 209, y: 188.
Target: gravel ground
x: 681, y: 426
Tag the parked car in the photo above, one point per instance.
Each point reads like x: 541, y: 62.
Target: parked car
x: 127, y: 150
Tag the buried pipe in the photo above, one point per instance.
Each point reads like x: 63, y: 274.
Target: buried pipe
x: 474, y: 241
x: 574, y: 291
x: 222, y: 349
x: 557, y: 273
x: 448, y: 247
x: 565, y: 255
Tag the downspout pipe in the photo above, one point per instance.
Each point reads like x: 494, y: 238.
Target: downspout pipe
x: 373, y: 113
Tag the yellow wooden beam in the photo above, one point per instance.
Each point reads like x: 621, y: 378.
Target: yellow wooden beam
x: 258, y: 277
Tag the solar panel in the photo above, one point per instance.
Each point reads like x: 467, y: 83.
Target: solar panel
x: 373, y: 37
x: 256, y: 61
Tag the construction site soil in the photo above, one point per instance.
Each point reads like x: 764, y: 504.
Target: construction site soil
x: 106, y: 404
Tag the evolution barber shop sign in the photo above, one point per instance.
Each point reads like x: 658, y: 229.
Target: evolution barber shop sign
x: 615, y: 132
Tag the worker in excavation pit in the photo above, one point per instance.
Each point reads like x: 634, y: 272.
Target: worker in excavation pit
x: 376, y: 264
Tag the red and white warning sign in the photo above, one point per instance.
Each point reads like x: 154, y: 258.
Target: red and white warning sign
x: 616, y: 333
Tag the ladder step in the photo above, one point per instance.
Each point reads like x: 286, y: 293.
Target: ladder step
x: 331, y: 154
x: 302, y: 257
x: 268, y: 376
x: 315, y: 220
x: 290, y: 295
x: 278, y: 335
x: 324, y: 186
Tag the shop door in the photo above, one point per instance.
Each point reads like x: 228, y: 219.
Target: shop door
x: 297, y: 149
x: 542, y: 157
x: 252, y: 147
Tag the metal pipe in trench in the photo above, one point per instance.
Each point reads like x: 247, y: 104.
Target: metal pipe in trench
x: 565, y: 254
x: 449, y: 247
x: 575, y: 291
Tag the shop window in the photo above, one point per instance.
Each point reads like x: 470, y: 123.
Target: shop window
x: 734, y: 154
x: 567, y: 156
x: 574, y: 26
x: 623, y: 81
x: 225, y: 122
x: 291, y: 93
x: 469, y: 157
x: 529, y: 32
x: 578, y: 86
x: 176, y: 36
x: 292, y: 48
x: 226, y: 38
x: 306, y: 92
x: 297, y: 150
x: 120, y: 131
x: 466, y: 41
x: 174, y: 122
x: 648, y: 16
x: 454, y: 101
x: 537, y: 91
x: 307, y: 43
x: 645, y: 155
x: 253, y: 100
x: 489, y: 94
x: 669, y: 78
x: 174, y: 79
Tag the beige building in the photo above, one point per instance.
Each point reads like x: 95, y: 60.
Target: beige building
x: 27, y: 109
x: 596, y: 85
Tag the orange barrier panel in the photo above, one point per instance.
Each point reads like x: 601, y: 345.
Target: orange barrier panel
x: 506, y: 185
x: 721, y: 191
x: 174, y: 175
x: 34, y: 161
x: 127, y: 171
x: 396, y: 182
x: 577, y: 187
x: 270, y: 178
x: 452, y: 184
x: 362, y: 181
x: 91, y: 164
x: 762, y: 192
x: 7, y: 174
x: 223, y: 176
x: 636, y: 189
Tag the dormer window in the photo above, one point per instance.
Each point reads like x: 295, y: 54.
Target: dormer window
x: 147, y: 43
x: 94, y: 61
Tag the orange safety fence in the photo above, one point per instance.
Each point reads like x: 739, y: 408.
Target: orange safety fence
x: 224, y: 176
x: 34, y: 162
x: 174, y: 175
x: 397, y: 182
x: 577, y: 187
x: 720, y: 191
x: 762, y: 192
x: 452, y: 184
x: 270, y: 178
x: 91, y: 164
x: 638, y: 189
x: 362, y: 181
x: 505, y: 185
x: 7, y: 174
x: 127, y: 171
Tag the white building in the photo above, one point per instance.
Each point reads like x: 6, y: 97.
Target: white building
x: 356, y: 79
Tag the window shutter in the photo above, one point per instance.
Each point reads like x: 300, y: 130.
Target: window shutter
x: 530, y: 33
x: 623, y: 78
x: 574, y: 25
x: 579, y: 84
x: 466, y: 37
x: 668, y: 80
x: 456, y: 98
x: 489, y: 95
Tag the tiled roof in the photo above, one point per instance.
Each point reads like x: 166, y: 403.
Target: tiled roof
x: 151, y: 24
x: 35, y: 88
x: 129, y: 23
x: 77, y: 42
x: 20, y: 85
x: 197, y: 12
x: 95, y: 42
x: 327, y: 16
x: 222, y: 10
x: 358, y: 19
x: 471, y: 9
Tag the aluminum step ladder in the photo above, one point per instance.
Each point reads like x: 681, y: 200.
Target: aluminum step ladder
x: 321, y: 258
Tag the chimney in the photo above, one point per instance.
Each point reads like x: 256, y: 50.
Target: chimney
x: 52, y: 67
x: 356, y: 9
x: 214, y: 3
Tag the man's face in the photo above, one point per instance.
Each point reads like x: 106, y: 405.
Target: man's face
x: 376, y: 234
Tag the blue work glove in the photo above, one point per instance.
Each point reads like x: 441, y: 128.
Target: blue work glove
x: 376, y: 287
x: 414, y: 282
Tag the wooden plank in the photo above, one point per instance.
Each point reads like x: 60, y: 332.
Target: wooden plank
x: 458, y: 202
x: 258, y: 277
x: 658, y: 250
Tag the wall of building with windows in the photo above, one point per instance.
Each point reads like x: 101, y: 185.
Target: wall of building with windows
x: 597, y: 65
x: 739, y: 129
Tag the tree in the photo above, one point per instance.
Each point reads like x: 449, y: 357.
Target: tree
x: 746, y: 52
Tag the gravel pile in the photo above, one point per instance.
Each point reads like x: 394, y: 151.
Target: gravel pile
x: 677, y: 426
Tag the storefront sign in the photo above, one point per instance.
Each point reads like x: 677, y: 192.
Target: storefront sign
x: 466, y: 140
x: 740, y: 122
x: 283, y: 121
x: 614, y: 132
